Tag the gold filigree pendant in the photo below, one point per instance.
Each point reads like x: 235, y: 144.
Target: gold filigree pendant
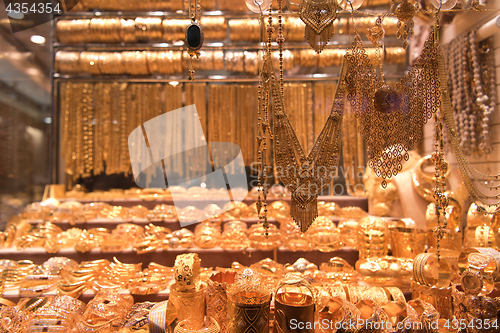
x: 318, y: 16
x: 404, y: 11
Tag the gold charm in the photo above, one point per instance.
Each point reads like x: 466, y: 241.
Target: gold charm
x: 405, y: 11
x: 318, y: 16
x: 376, y: 33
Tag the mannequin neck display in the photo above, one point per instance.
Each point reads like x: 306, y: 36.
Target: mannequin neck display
x: 387, y: 202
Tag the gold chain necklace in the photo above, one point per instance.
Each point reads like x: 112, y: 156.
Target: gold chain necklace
x: 391, y: 118
x: 470, y: 175
x: 263, y: 132
x: 305, y: 176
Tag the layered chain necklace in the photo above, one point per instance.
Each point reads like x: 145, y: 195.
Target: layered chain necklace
x: 305, y: 176
x: 480, y: 186
x: 473, y: 95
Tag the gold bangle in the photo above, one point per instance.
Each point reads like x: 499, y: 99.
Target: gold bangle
x: 492, y: 267
x: 127, y: 31
x: 187, y: 272
x: 476, y: 218
x: 69, y: 304
x: 6, y: 302
x: 75, y: 293
x: 396, y: 295
x: 67, y: 62
x: 187, y: 326
x: 88, y: 62
x: 422, y: 265
x: 73, y: 31
x: 32, y: 304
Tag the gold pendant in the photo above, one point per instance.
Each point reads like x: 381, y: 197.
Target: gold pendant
x: 376, y: 33
x: 404, y: 11
x: 318, y: 16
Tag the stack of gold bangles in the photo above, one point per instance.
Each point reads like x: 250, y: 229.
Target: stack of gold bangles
x: 436, y: 301
x: 175, y: 62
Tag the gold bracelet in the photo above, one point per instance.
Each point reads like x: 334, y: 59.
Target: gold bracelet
x: 422, y: 271
x: 492, y: 266
x: 187, y: 272
x: 6, y: 302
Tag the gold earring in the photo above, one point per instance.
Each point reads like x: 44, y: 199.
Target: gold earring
x: 404, y: 11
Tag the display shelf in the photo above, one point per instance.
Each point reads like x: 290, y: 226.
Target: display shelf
x: 208, y: 46
x: 172, y: 224
x: 100, y: 13
x: 341, y: 200
x: 13, y: 295
x: 209, y: 257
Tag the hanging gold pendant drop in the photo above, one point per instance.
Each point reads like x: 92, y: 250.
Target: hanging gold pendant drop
x: 404, y: 11
x: 318, y: 16
x: 376, y: 33
x: 194, y: 35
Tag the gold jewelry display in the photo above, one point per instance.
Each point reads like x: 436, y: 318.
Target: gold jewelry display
x: 264, y: 238
x: 190, y: 305
x: 324, y: 235
x: 423, y: 181
x: 426, y: 313
x: 371, y: 315
x: 340, y: 313
x: 407, y: 243
x: 480, y: 236
x: 373, y: 237
x: 425, y: 272
x: 476, y: 218
x: 473, y: 180
x: 137, y: 318
x: 386, y: 271
x: 264, y: 135
x: 318, y: 16
x: 471, y: 308
x: 106, y: 311
x: 187, y: 326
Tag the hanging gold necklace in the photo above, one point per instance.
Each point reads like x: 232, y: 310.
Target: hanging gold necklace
x: 476, y: 182
x: 391, y: 118
x: 305, y: 176
x: 264, y: 133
